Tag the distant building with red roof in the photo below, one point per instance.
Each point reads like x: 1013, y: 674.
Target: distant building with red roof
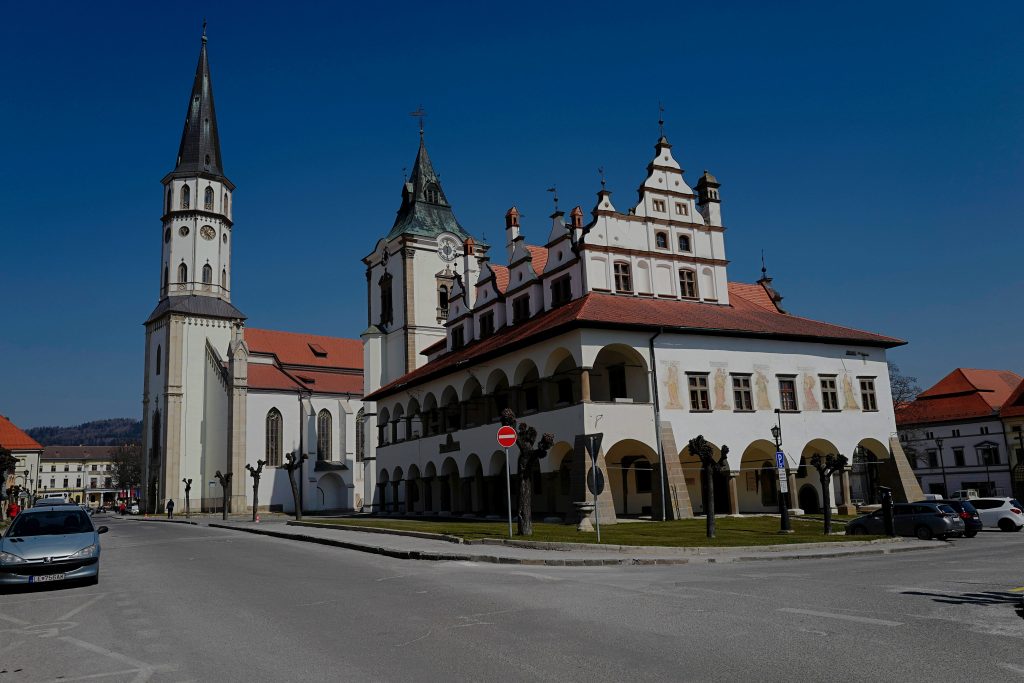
x: 959, y: 433
x: 27, y: 451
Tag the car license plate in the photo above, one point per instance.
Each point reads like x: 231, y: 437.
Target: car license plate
x: 45, y: 577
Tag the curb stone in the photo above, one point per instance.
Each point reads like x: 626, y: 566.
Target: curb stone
x: 560, y: 562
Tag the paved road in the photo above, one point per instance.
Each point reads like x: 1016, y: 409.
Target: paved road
x: 184, y: 603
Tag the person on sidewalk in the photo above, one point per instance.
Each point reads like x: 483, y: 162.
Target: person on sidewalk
x: 13, y: 509
x: 170, y: 508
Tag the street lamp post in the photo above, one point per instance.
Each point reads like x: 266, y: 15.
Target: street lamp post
x: 942, y: 465
x: 785, y: 527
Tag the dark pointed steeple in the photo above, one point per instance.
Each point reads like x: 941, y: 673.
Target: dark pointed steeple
x: 425, y: 209
x: 199, y: 152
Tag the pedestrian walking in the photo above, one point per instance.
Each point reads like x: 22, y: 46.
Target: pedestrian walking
x: 12, y: 510
x: 170, y: 509
x: 120, y: 508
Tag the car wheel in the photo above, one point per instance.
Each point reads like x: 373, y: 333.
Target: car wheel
x: 924, y: 533
x: 1007, y: 525
x: 970, y: 534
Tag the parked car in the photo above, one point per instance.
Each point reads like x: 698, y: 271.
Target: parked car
x: 967, y: 512
x: 1005, y: 513
x: 925, y: 520
x: 134, y: 509
x: 50, y: 543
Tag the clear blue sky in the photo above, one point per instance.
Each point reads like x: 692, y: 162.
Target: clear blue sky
x: 874, y: 151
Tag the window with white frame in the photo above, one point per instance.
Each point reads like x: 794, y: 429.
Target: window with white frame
x: 684, y: 243
x: 623, y: 277
x: 867, y: 393
x: 658, y: 205
x: 829, y: 393
x: 787, y: 393
x: 743, y: 397
x: 661, y: 240
x: 687, y: 284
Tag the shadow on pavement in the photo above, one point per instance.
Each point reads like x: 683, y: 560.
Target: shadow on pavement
x: 981, y: 598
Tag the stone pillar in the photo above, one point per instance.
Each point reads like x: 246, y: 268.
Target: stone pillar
x: 734, y: 496
x: 585, y: 385
x: 794, y: 504
x: 581, y: 465
x: 910, y: 487
x: 395, y: 495
x: 847, y: 507
x: 678, y: 504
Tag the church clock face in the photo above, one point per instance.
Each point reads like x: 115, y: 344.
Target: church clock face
x: 448, y: 248
x: 207, y: 232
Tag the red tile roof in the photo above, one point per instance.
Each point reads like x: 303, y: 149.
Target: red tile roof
x: 741, y: 293
x: 500, y: 278
x: 539, y: 258
x: 1014, y: 406
x: 13, y: 439
x: 264, y: 376
x: 608, y: 310
x: 963, y: 394
x: 293, y: 348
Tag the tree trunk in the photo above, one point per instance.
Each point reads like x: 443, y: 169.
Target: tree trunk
x: 295, y: 495
x: 826, y: 498
x: 255, y: 496
x: 224, y: 508
x: 709, y: 499
x: 526, y: 500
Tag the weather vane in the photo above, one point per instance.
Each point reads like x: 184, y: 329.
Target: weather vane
x: 421, y: 114
x: 661, y: 119
x: 600, y: 171
x: 764, y: 269
x: 554, y: 191
x: 204, y: 29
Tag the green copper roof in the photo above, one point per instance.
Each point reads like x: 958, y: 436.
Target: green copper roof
x: 425, y: 210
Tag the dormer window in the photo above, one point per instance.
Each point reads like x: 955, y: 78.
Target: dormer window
x: 458, y: 338
x: 687, y: 284
x: 561, y: 291
x: 684, y: 243
x: 658, y: 205
x: 661, y: 240
x: 432, y: 194
x: 521, y: 309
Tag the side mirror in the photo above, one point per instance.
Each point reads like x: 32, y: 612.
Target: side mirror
x: 102, y: 530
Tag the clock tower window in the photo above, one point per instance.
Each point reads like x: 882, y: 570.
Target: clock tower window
x: 186, y: 197
x: 182, y: 274
x: 386, y: 314
x: 208, y: 199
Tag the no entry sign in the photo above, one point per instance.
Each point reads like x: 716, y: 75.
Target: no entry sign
x: 506, y: 437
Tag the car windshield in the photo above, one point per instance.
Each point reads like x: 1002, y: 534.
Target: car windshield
x: 947, y: 509
x: 967, y: 507
x: 51, y: 523
x: 1016, y: 503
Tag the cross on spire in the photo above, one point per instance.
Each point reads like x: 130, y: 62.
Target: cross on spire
x: 600, y: 172
x: 554, y: 191
x: 421, y: 114
x: 661, y: 119
x: 204, y: 29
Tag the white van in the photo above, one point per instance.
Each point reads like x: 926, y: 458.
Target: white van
x: 965, y: 494
x: 53, y: 498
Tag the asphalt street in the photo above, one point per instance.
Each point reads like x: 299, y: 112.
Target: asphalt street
x: 186, y: 603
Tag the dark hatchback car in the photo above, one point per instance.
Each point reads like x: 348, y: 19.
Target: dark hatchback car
x: 925, y: 520
x: 966, y: 512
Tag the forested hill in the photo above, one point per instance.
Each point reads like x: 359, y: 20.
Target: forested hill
x: 96, y: 433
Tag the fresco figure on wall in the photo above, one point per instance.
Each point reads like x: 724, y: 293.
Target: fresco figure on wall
x: 672, y: 385
x: 761, y: 389
x: 720, y: 378
x: 810, y: 402
x: 849, y: 399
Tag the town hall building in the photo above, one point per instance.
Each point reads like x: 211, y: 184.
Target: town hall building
x: 623, y: 323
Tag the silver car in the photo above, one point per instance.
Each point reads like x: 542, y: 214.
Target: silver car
x: 50, y: 543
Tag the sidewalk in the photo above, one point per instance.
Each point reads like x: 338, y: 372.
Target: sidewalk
x: 405, y: 547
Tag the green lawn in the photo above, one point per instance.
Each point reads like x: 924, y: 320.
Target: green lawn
x: 732, y: 531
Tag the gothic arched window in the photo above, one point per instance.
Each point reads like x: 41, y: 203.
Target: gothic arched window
x: 274, y: 438
x: 207, y: 274
x: 158, y: 359
x: 323, y: 435
x: 225, y: 207
x: 684, y: 243
x: 386, y: 314
x: 182, y: 274
x: 186, y: 197
x: 360, y: 438
x: 224, y: 279
x: 208, y: 199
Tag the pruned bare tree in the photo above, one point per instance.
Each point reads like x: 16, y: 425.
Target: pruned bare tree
x: 291, y: 465
x: 225, y: 485
x: 255, y: 473
x: 700, y: 448
x: 529, y: 457
x: 827, y: 466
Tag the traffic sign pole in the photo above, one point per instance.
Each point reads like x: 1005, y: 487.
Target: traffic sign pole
x: 508, y: 491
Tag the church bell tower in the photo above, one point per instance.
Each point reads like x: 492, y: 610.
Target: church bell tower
x: 194, y: 387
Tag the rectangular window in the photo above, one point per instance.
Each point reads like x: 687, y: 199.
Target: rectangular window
x: 623, y: 278
x: 92, y: 482
x: 94, y: 468
x: 687, y: 284
x: 78, y: 483
x: 933, y: 457
x: 958, y: 457
x: 829, y: 392
x: 984, y: 430
x: 988, y: 455
x: 658, y: 204
x: 684, y: 243
x: 929, y: 435
x: 521, y: 309
x: 956, y: 432
x: 65, y: 482
x: 787, y: 393
x: 700, y: 399
x: 681, y: 209
x: 561, y: 290
x: 867, y: 393
x: 106, y: 482
x: 458, y: 338
x: 742, y: 395
x: 67, y: 468
x: 487, y: 324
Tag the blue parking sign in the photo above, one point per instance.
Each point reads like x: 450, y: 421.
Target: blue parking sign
x: 780, y: 460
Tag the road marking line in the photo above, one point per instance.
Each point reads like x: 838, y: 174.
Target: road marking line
x: 81, y: 607
x: 1011, y: 667
x: 13, y: 620
x: 103, y: 675
x: 1017, y: 590
x: 845, y: 617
